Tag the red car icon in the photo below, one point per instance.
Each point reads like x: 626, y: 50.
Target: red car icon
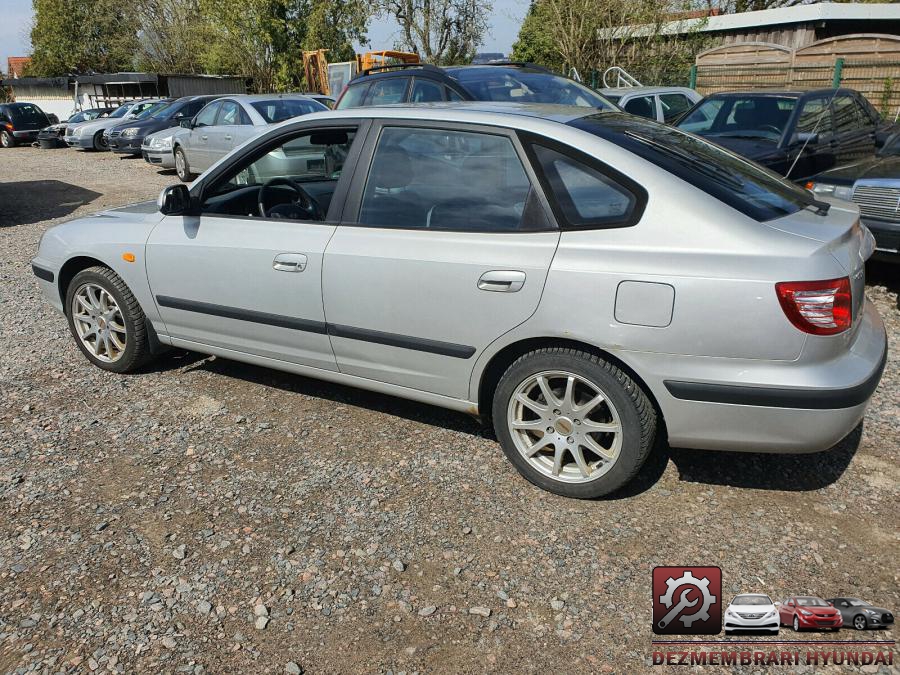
x: 807, y: 611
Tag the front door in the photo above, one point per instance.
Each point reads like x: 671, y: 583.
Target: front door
x: 813, y: 140
x: 444, y: 248
x: 245, y: 274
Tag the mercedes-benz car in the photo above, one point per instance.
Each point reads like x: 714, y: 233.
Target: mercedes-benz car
x: 804, y: 612
x: 90, y: 135
x: 581, y: 279
x: 862, y: 615
x: 751, y: 611
x: 128, y: 137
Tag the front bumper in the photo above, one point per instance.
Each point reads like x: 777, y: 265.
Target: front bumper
x: 817, y: 622
x: 886, y: 233
x: 46, y: 274
x: 83, y: 142
x: 766, y: 406
x: 161, y: 158
x: 735, y: 621
x: 126, y: 145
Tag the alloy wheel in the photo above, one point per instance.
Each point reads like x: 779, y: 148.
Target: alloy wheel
x: 796, y: 624
x: 99, y: 323
x: 565, y: 426
x: 5, y: 140
x: 859, y: 623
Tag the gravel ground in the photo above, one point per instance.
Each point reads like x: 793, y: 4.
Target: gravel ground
x: 207, y: 516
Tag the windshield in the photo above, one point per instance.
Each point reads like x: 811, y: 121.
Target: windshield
x: 522, y: 86
x: 811, y: 602
x: 741, y: 117
x: 27, y: 113
x: 121, y: 110
x: 752, y: 600
x: 891, y: 147
x: 280, y: 109
x: 857, y: 603
x: 745, y: 186
x: 149, y: 109
x: 157, y: 110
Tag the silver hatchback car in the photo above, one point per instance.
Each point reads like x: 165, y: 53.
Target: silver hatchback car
x: 581, y: 278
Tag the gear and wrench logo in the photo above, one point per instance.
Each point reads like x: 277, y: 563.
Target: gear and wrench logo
x: 687, y: 600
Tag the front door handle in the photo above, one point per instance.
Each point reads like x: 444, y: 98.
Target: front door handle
x: 289, y: 262
x: 502, y: 281
x: 228, y: 138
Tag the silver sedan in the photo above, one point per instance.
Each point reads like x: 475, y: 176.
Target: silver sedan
x: 582, y: 279
x: 226, y: 123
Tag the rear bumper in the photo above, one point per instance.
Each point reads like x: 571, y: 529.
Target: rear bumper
x: 767, y: 406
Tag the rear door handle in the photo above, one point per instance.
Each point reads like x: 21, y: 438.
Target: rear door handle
x: 289, y: 262
x: 228, y: 138
x: 502, y: 281
x: 203, y: 138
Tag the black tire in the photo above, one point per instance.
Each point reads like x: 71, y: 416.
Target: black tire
x: 7, y: 140
x: 100, y: 143
x: 182, y: 168
x: 856, y: 622
x: 137, y: 344
x: 636, y: 412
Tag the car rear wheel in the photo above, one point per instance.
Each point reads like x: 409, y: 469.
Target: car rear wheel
x: 106, y: 321
x: 796, y: 624
x: 572, y: 423
x: 859, y: 622
x: 100, y: 142
x: 182, y: 168
x: 7, y: 140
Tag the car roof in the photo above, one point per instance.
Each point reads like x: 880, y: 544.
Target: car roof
x: 442, y: 72
x: 792, y: 93
x: 643, y: 89
x: 446, y: 110
x: 252, y: 98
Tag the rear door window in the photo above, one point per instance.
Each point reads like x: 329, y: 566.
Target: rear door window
x: 354, y: 96
x: 815, y: 117
x: 230, y: 114
x: 425, y: 91
x: 848, y: 115
x: 673, y: 105
x: 387, y: 90
x: 642, y: 106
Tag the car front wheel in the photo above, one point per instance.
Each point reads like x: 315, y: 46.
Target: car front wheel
x: 100, y: 142
x: 182, y: 168
x: 859, y: 622
x: 572, y: 423
x: 106, y: 320
x: 796, y: 624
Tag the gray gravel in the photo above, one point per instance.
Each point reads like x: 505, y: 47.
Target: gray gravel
x: 207, y: 516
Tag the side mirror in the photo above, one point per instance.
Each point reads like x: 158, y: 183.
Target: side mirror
x: 186, y: 123
x: 805, y: 137
x: 778, y: 604
x: 174, y: 200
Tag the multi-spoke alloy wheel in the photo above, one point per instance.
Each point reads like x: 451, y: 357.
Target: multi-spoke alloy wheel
x: 571, y: 422
x: 565, y: 426
x: 106, y: 320
x: 99, y: 322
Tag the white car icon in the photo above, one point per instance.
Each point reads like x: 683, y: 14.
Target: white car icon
x: 751, y: 611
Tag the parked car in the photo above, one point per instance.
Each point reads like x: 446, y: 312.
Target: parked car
x: 861, y: 615
x: 795, y: 134
x: 127, y: 138
x: 20, y: 123
x: 156, y: 148
x: 663, y: 104
x: 328, y: 101
x: 807, y: 611
x: 424, y: 83
x: 510, y: 261
x: 90, y: 135
x: 56, y: 132
x: 751, y: 611
x: 873, y: 184
x: 225, y: 123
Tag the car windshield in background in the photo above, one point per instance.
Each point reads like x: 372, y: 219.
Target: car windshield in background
x: 752, y: 600
x: 508, y: 84
x: 280, y: 109
x: 744, y: 186
x: 857, y: 603
x: 811, y: 602
x: 120, y: 111
x: 891, y: 146
x: 152, y: 109
x: 161, y: 110
x: 27, y: 113
x: 741, y: 117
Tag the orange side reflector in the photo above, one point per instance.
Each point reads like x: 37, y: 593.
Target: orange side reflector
x: 128, y: 257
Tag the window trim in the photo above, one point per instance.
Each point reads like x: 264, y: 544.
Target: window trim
x: 638, y: 192
x: 353, y: 205
x: 268, y: 141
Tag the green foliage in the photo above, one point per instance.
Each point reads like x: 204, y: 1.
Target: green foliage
x: 82, y: 35
x: 443, y: 32
x: 335, y: 24
x: 535, y: 45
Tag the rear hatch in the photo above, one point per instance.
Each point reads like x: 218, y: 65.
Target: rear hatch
x: 841, y: 235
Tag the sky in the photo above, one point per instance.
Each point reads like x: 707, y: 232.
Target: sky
x: 505, y: 19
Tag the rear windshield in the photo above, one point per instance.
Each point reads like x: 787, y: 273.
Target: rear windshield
x: 746, y: 187
x: 25, y: 113
x: 522, y: 86
x: 280, y: 109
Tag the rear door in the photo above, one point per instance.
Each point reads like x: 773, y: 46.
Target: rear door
x: 818, y: 149
x: 854, y: 131
x: 198, y: 141
x: 444, y: 246
x: 232, y: 128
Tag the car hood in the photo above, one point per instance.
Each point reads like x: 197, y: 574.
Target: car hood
x: 97, y: 125
x: 149, y: 125
x: 880, y: 610
x: 820, y: 611
x: 129, y: 210
x: 872, y: 167
x: 752, y: 609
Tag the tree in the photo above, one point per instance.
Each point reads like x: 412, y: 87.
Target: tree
x: 442, y: 32
x: 82, y: 35
x: 174, y: 36
x: 335, y: 25
x: 534, y: 44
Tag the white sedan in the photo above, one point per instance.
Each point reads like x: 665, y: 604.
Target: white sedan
x: 751, y: 611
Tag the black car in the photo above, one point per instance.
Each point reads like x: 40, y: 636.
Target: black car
x: 424, y: 83
x: 795, y: 134
x: 126, y: 138
x: 21, y: 123
x: 873, y: 184
x: 56, y: 132
x: 861, y: 615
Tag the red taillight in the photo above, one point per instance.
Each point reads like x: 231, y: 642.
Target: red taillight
x: 817, y: 307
